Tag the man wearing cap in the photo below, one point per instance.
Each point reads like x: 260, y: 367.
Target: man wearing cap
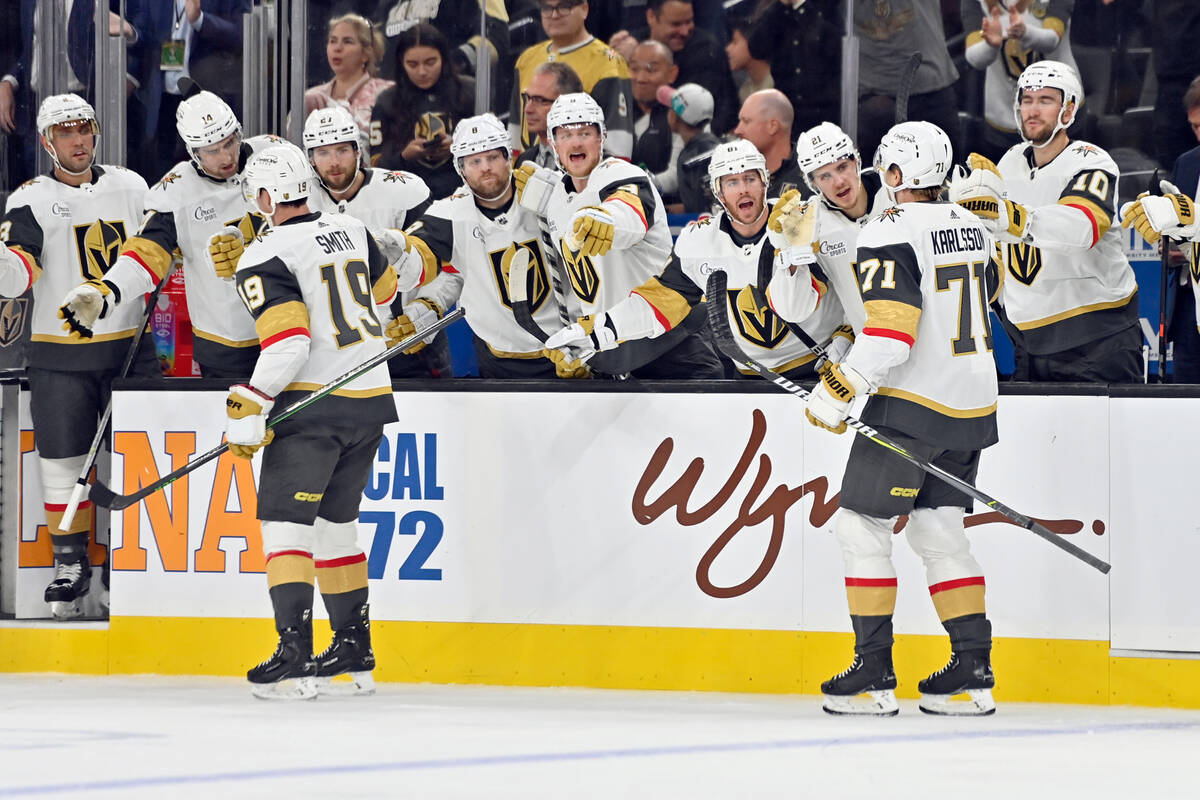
x: 689, y: 112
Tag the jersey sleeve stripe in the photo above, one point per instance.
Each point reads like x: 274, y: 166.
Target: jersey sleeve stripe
x: 384, y: 289
x: 634, y: 202
x: 892, y: 320
x: 450, y: 268
x: 150, y: 255
x: 1095, y: 214
x: 1052, y: 24
x: 428, y: 260
x: 670, y: 307
x: 288, y: 334
x: 31, y: 265
x: 282, y: 320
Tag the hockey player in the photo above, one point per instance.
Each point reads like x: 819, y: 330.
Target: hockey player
x: 474, y: 234
x: 192, y: 203
x: 1070, y: 298
x: 319, y: 291
x: 386, y: 202
x: 735, y: 241
x: 924, y: 357
x: 607, y: 224
x: 59, y: 229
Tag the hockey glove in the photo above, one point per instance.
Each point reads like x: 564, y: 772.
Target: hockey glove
x: 85, y: 304
x: 592, y: 231
x: 829, y: 402
x: 396, y: 247
x: 567, y: 365
x: 225, y: 248
x: 1173, y: 214
x: 835, y: 352
x: 246, y: 411
x: 589, y: 333
x: 418, y: 315
x: 793, y: 222
x: 535, y: 187
x: 982, y: 193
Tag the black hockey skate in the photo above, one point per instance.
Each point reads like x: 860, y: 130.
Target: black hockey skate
x: 289, y: 674
x: 348, y: 654
x: 870, y: 674
x: 66, y: 592
x: 969, y: 673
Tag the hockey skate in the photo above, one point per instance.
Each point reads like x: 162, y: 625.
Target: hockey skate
x: 66, y: 592
x: 871, y: 674
x: 969, y: 673
x: 289, y: 674
x: 349, y: 654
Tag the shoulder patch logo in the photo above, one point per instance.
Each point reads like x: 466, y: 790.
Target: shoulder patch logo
x: 167, y: 180
x: 891, y: 214
x: 395, y: 177
x: 1084, y: 150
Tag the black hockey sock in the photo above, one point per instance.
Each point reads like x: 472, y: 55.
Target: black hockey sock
x: 70, y: 548
x: 293, y: 605
x: 872, y: 633
x: 343, y: 608
x: 969, y: 632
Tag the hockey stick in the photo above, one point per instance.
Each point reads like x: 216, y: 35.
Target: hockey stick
x: 101, y: 495
x: 80, y: 490
x: 904, y: 87
x: 1165, y: 250
x: 723, y: 337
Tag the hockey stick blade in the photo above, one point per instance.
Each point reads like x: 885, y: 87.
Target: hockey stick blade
x: 103, y: 496
x: 518, y: 294
x: 904, y: 87
x: 723, y: 337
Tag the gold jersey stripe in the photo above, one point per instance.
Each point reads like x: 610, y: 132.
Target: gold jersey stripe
x: 871, y: 601
x: 959, y: 602
x: 301, y: 386
x: 385, y: 287
x: 1049, y: 23
x: 280, y: 318
x: 1074, y: 312
x: 974, y: 38
x: 933, y: 405
x: 150, y: 254
x: 346, y: 578
x: 428, y: 260
x: 32, y: 262
x: 1100, y: 217
x: 99, y: 337
x: 290, y: 569
x: 212, y: 337
x: 507, y: 354
x: 894, y: 316
x: 669, y: 305
x: 633, y: 201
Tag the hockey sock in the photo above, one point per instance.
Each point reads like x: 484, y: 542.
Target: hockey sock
x: 871, y: 601
x: 343, y: 584
x: 955, y: 599
x: 871, y: 633
x: 70, y: 548
x: 290, y: 575
x: 970, y: 632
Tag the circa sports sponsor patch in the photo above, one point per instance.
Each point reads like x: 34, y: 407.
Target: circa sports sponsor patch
x: 833, y: 249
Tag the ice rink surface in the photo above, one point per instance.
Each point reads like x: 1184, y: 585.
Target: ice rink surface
x: 133, y: 737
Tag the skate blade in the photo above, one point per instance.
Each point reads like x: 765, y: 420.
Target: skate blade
x: 66, y: 609
x: 349, y: 684
x: 288, y: 689
x: 978, y: 703
x: 880, y: 703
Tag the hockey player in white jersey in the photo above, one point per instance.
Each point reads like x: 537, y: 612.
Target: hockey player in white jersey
x: 608, y: 231
x: 926, y: 270
x: 474, y: 234
x: 1070, y: 298
x: 60, y: 229
x: 319, y: 291
x: 388, y: 202
x: 735, y: 241
x: 194, y: 201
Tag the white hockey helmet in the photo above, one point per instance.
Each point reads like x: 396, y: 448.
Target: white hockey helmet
x: 576, y: 108
x: 734, y: 158
x: 330, y: 125
x: 921, y: 150
x: 478, y: 135
x: 1050, y: 75
x: 283, y: 170
x: 58, y: 109
x: 204, y: 119
x: 821, y: 145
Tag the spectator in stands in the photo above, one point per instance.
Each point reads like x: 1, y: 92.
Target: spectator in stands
x: 1174, y: 34
x: 1181, y: 300
x: 317, y: 67
x: 550, y: 80
x: 604, y: 73
x: 750, y: 74
x: 412, y: 122
x: 802, y: 42
x: 1009, y: 38
x: 766, y: 122
x: 655, y: 147
x: 16, y: 101
x: 689, y: 113
x: 353, y: 48
x: 457, y: 20
x: 888, y: 34
x: 697, y: 53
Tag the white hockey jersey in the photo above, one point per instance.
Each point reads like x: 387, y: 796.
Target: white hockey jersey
x: 67, y: 235
x: 470, y: 242
x: 641, y: 242
x: 1070, y: 282
x: 926, y: 274
x: 321, y: 276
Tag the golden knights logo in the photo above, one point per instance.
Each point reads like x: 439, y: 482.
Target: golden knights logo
x: 1024, y: 262
x: 537, y: 284
x: 756, y: 323
x: 395, y: 177
x: 167, y: 180
x: 584, y: 278
x: 428, y: 126
x: 13, y: 313
x: 891, y: 214
x: 98, y: 246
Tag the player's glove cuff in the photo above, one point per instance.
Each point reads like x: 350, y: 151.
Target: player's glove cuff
x: 535, y: 187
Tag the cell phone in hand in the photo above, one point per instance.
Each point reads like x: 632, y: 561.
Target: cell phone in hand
x: 430, y: 144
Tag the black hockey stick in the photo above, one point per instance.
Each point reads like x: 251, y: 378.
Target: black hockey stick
x: 723, y: 337
x: 101, y: 495
x: 904, y: 87
x: 1165, y: 250
x: 80, y: 490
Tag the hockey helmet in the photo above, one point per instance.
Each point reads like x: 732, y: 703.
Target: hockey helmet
x: 282, y: 169
x: 330, y: 125
x: 59, y: 109
x: 921, y: 150
x: 478, y: 135
x: 734, y: 158
x: 1050, y: 75
x: 821, y: 145
x: 575, y: 108
x: 204, y: 119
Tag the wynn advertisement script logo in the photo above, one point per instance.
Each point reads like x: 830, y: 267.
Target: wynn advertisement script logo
x: 753, y: 509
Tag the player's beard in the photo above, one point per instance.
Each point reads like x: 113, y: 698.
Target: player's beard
x: 1047, y: 131
x: 344, y: 183
x: 489, y: 185
x: 749, y: 214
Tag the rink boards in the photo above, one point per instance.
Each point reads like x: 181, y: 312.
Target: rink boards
x: 666, y: 541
